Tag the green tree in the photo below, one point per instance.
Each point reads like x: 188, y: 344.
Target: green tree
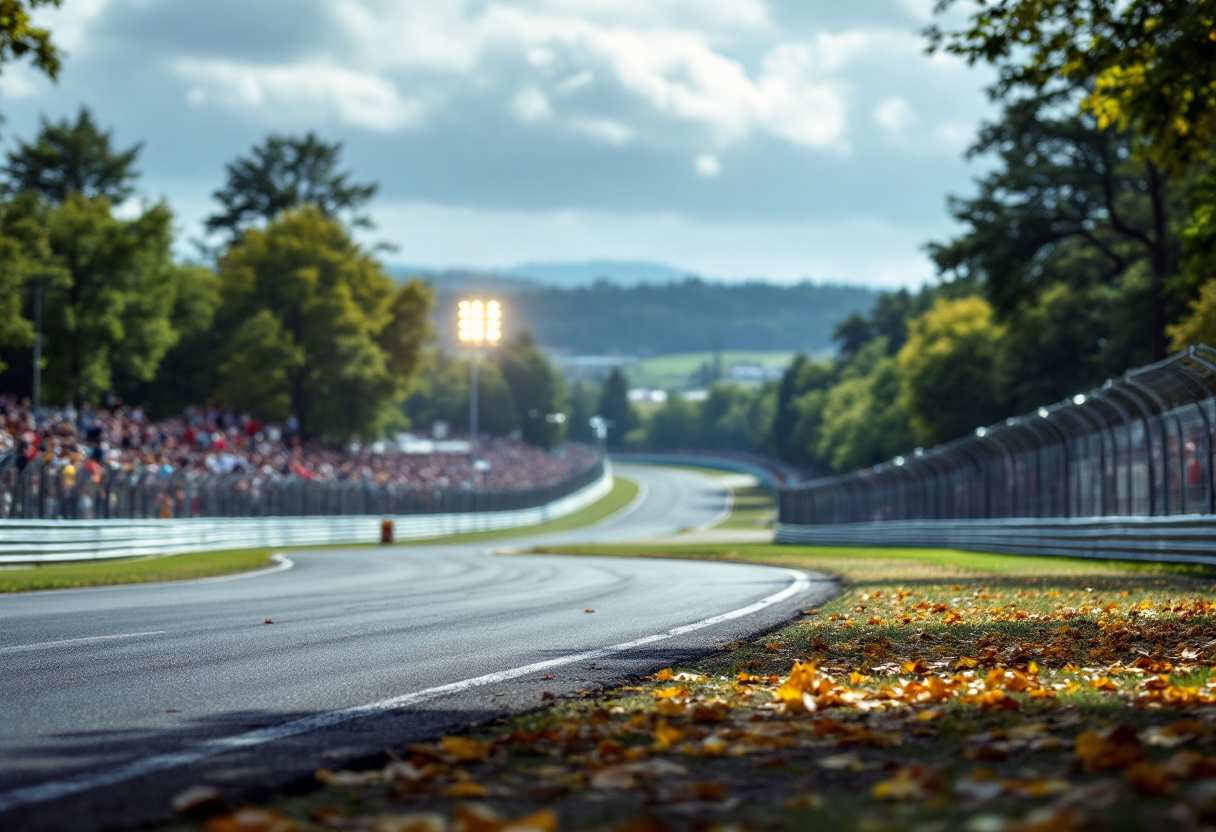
x: 25, y: 258
x: 949, y: 382
x: 862, y: 422
x: 1198, y: 327
x: 614, y: 406
x: 535, y: 389
x: 1144, y: 65
x: 19, y: 38
x: 68, y: 158
x: 441, y: 393
x: 674, y: 426
x: 282, y: 174
x: 113, y: 306
x: 1067, y: 203
x: 582, y: 405
x: 357, y: 334
x: 189, y: 367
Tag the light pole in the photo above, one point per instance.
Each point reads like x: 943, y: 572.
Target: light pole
x: 478, y: 323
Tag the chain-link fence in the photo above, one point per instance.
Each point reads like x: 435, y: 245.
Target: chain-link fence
x: 1138, y: 446
x: 38, y: 491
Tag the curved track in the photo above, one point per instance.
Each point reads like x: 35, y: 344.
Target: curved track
x: 114, y: 699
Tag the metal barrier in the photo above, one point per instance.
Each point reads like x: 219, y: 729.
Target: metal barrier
x: 43, y: 541
x: 1180, y: 539
x: 42, y: 491
x: 1139, y: 446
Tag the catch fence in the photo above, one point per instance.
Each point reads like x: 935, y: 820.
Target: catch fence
x: 1138, y: 446
x: 46, y: 491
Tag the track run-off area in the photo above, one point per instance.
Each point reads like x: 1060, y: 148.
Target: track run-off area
x: 115, y: 699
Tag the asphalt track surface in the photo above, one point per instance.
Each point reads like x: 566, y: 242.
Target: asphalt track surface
x: 113, y: 700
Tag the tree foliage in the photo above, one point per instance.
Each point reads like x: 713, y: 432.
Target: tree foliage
x: 1148, y: 66
x: 282, y: 174
x: 535, y: 390
x: 20, y: 39
x: 337, y: 342
x: 948, y: 371
x: 72, y: 158
x: 614, y: 406
x: 110, y: 307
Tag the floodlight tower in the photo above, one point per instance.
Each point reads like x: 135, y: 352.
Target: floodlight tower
x: 479, y: 324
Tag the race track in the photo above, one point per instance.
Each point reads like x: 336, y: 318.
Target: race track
x: 115, y: 699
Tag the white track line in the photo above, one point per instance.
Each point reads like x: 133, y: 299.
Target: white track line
x: 160, y: 762
x: 21, y: 648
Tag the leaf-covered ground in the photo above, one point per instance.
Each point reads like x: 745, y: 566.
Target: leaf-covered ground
x: 938, y: 691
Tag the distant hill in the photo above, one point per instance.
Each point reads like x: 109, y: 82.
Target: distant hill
x: 620, y: 272
x: 689, y: 316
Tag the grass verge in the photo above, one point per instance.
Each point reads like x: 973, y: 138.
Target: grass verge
x: 133, y: 570
x: 939, y: 690
x: 622, y: 494
x: 210, y: 564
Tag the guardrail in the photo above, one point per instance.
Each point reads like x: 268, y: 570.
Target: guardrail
x: 1178, y: 539
x: 44, y: 541
x: 1138, y: 446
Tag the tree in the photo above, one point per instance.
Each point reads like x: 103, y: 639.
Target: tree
x: 674, y: 426
x: 441, y: 393
x: 1067, y: 203
x: 282, y: 174
x: 69, y: 158
x: 188, y: 368
x: 112, y: 306
x: 1144, y: 65
x: 949, y: 383
x: 25, y: 257
x: 1199, y: 327
x: 19, y: 39
x: 535, y: 389
x: 614, y: 406
x: 862, y: 422
x: 340, y: 341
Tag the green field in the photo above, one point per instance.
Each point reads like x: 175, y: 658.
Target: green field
x: 676, y: 371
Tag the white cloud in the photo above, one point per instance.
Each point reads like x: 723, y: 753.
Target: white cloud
x: 70, y: 23
x: 604, y: 130
x: 894, y: 115
x: 302, y: 91
x: 707, y: 165
x: 531, y: 105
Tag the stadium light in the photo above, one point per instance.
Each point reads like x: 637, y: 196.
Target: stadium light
x: 478, y: 323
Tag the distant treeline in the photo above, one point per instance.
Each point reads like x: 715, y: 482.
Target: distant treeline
x: 690, y: 316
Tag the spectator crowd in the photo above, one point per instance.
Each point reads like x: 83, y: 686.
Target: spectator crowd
x: 85, y: 443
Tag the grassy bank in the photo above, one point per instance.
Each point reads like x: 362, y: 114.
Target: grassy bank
x: 939, y: 690
x: 133, y: 570
x: 210, y: 564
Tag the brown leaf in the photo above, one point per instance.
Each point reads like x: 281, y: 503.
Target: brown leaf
x: 416, y: 822
x: 250, y: 819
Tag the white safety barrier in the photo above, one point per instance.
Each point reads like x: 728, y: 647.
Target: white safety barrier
x: 1176, y: 539
x: 44, y: 541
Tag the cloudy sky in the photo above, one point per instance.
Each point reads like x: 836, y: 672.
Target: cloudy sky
x: 734, y: 138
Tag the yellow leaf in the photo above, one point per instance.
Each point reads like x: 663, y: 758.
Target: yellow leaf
x: 466, y: 790
x: 543, y: 821
x: 664, y: 675
x: 464, y: 749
